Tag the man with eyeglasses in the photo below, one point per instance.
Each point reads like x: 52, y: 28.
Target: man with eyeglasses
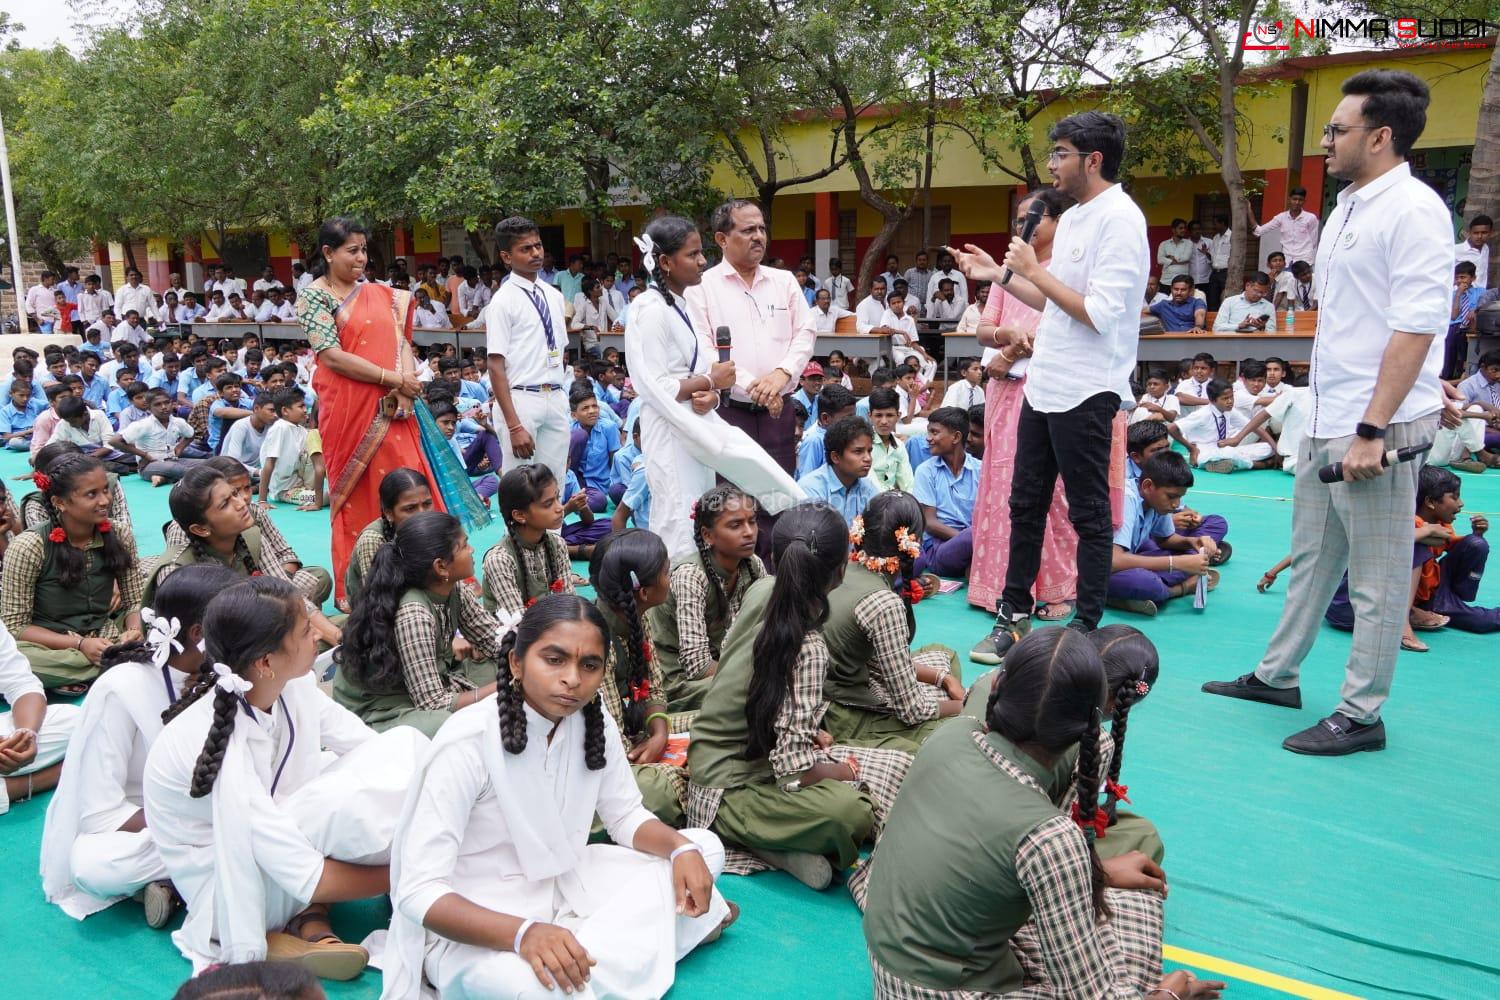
x: 1384, y: 268
x: 1298, y: 228
x: 1082, y: 353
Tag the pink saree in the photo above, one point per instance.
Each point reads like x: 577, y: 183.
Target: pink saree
x: 1056, y: 581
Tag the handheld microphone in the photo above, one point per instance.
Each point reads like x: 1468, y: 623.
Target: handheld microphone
x: 1028, y: 229
x: 1335, y: 473
x: 721, y: 339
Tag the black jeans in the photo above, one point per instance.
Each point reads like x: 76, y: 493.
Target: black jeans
x: 1074, y: 443
x: 1217, y: 279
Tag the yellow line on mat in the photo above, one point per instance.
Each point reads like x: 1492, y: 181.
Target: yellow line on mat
x: 1250, y: 974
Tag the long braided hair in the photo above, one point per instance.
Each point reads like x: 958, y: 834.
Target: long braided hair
x: 619, y: 567
x: 519, y: 489
x: 811, y: 546
x: 395, y: 483
x: 706, y: 513
x: 884, y: 517
x: 63, y: 478
x: 242, y: 624
x: 1050, y: 693
x: 189, y: 502
x: 549, y: 610
x: 1131, y: 666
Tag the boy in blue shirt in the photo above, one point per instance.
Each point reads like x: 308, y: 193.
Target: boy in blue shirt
x: 1152, y: 561
x: 95, y: 388
x: 844, y: 482
x: 622, y: 469
x: 807, y: 395
x: 18, y: 416
x: 213, y: 370
x: 833, y: 403
x: 225, y: 410
x: 593, y: 446
x: 946, y: 486
x: 135, y: 406
x: 634, y: 504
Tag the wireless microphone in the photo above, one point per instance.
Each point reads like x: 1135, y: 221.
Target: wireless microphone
x: 1335, y: 473
x: 1028, y: 229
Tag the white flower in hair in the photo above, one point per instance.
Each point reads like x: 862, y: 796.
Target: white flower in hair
x: 161, y: 636
x: 647, y: 246
x: 230, y: 681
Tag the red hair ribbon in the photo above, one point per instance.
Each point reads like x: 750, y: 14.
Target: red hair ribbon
x: 913, y: 591
x: 42, y: 480
x: 1100, y: 823
x: 646, y: 652
x: 104, y: 527
x: 530, y: 601
x: 641, y: 691
x: 58, y: 535
x: 1118, y: 791
x: 556, y: 586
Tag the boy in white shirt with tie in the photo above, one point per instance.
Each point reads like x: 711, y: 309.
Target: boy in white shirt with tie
x: 1216, y: 434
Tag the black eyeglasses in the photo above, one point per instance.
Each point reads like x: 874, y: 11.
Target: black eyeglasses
x: 1332, y: 132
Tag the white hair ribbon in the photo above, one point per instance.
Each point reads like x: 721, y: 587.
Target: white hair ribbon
x: 230, y: 681
x: 635, y: 581
x: 647, y: 247
x: 161, y: 636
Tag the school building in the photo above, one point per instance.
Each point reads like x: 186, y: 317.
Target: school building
x: 1284, y: 107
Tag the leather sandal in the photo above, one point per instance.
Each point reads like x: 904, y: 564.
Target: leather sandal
x: 326, y: 956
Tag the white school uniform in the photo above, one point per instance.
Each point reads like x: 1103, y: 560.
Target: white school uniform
x: 247, y: 857
x: 513, y: 328
x: 16, y: 682
x: 88, y: 862
x: 1167, y: 401
x: 1209, y: 425
x: 684, y: 450
x: 1245, y: 402
x: 901, y: 344
x: 510, y: 833
x: 1287, y: 418
x: 963, y: 395
x: 1192, y: 387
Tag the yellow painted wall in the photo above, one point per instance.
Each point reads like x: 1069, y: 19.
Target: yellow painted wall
x: 278, y: 244
x: 426, y: 238
x: 1456, y: 79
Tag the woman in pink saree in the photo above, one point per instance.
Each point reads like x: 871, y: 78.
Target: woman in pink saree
x: 365, y: 380
x: 1055, y: 583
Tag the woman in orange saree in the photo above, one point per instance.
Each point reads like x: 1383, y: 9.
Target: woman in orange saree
x: 365, y: 381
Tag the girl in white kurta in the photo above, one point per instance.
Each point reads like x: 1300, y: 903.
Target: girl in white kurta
x: 33, y: 735
x: 258, y: 829
x: 498, y: 893
x: 685, y: 442
x: 96, y: 849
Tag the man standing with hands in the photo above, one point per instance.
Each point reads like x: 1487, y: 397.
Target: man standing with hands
x: 1082, y: 353
x: 771, y: 329
x: 1385, y: 263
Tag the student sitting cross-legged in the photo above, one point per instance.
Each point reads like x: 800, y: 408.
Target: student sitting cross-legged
x: 1138, y: 581
x: 1143, y: 442
x: 1449, y: 584
x: 880, y: 691
x: 1036, y: 912
x: 401, y: 662
x: 1219, y: 438
x: 497, y: 892
x: 947, y: 485
x: 844, y: 482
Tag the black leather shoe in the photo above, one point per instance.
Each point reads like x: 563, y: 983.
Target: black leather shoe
x: 1252, y: 688
x: 1336, y: 736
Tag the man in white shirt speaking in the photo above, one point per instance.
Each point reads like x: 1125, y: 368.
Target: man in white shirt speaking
x: 1384, y: 270
x: 1082, y: 353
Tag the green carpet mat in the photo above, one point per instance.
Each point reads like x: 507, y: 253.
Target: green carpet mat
x: 1372, y: 875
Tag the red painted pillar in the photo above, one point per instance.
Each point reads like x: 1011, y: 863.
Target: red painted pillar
x: 403, y: 243
x: 825, y: 229
x: 1274, y: 199
x: 1312, y: 179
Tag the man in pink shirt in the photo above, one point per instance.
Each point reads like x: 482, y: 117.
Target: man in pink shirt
x: 771, y: 329
x: 1298, y: 228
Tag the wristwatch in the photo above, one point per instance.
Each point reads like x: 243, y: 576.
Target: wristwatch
x: 1369, y: 431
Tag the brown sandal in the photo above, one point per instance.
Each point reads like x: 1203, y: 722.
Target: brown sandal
x: 325, y: 956
x: 1056, y: 612
x: 1414, y: 645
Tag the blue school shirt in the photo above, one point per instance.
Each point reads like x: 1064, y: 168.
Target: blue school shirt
x: 101, y: 350
x: 464, y: 434
x: 622, y: 468
x: 13, y: 420
x: 850, y: 501
x: 606, y: 395
x: 638, y: 495
x: 951, y: 496
x: 159, y: 379
x: 218, y: 425
x: 38, y: 391
x: 811, y: 405
x: 188, y: 382
x: 116, y: 401
x: 632, y: 414
x: 811, y: 453
x: 1477, y: 389
x: 474, y: 391
x: 862, y: 407
x: 95, y: 392
x: 1140, y: 522
x: 917, y: 451
x: 590, y: 453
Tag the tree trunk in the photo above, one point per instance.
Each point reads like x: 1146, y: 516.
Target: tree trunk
x: 766, y: 194
x: 597, y: 173
x: 1484, y: 171
x: 1241, y: 222
x: 927, y: 163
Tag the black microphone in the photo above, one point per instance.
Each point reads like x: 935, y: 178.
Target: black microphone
x: 1335, y: 473
x: 721, y: 338
x: 1028, y: 229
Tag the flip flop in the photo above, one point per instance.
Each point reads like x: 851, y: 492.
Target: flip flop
x: 1429, y: 624
x: 1414, y: 645
x: 73, y: 690
x: 1056, y: 612
x: 326, y: 958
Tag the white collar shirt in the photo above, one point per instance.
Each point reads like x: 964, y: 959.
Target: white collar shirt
x: 1385, y: 263
x: 1099, y: 250
x: 1480, y: 258
x: 514, y: 330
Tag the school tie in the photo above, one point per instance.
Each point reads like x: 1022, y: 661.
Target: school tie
x: 540, y: 302
x: 1223, y: 426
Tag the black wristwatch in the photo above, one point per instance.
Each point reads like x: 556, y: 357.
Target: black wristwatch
x: 1369, y: 431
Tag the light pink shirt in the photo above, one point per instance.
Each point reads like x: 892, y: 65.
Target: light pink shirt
x: 1299, y: 234
x: 770, y: 323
